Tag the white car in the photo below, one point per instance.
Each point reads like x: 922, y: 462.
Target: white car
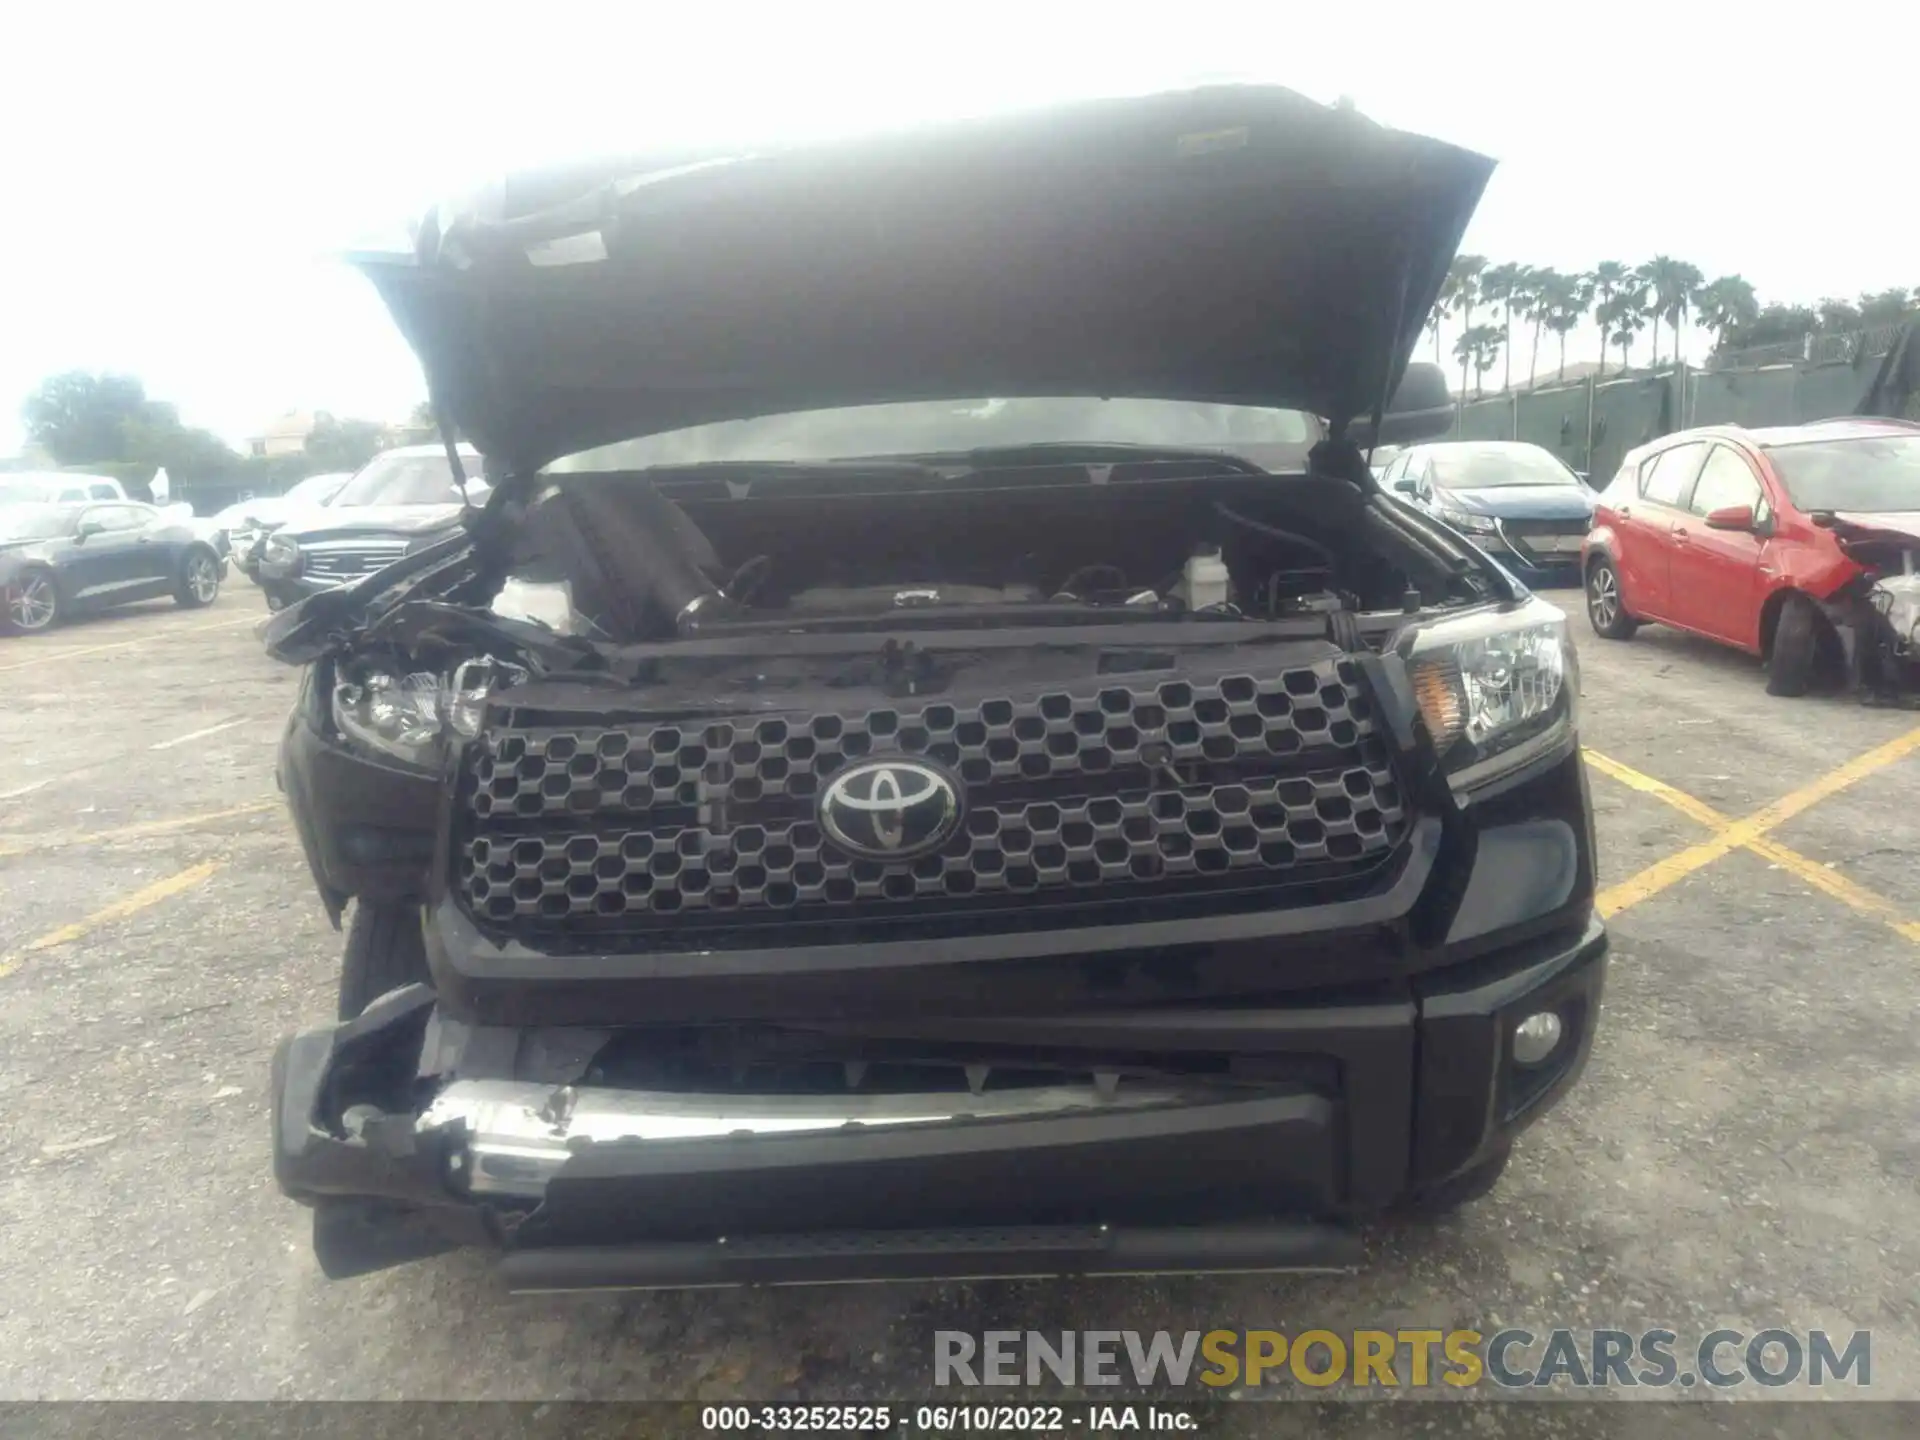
x: 58, y: 487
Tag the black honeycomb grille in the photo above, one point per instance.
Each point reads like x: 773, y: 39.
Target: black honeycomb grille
x: 1116, y: 791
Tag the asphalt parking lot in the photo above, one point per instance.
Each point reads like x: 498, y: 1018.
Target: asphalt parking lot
x: 1744, y: 1150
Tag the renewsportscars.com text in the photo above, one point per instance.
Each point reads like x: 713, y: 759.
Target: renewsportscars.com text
x: 1510, y: 1358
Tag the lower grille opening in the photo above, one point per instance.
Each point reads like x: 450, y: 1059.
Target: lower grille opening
x: 748, y: 1061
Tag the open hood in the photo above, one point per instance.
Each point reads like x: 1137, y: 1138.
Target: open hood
x: 1900, y: 525
x: 1240, y: 245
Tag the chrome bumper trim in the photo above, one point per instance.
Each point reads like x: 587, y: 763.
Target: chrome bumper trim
x: 517, y: 1134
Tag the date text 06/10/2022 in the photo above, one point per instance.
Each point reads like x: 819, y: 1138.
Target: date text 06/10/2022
x: 950, y: 1419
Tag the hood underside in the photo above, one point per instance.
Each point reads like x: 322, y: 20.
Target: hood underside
x: 1240, y: 245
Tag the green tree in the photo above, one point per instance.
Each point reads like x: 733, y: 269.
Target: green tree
x: 1622, y: 318
x: 1883, y: 307
x: 157, y: 440
x: 1777, y: 324
x: 1671, y: 287
x: 1532, y: 303
x: 79, y: 418
x: 1643, y: 277
x: 1564, y: 302
x: 1837, y: 315
x: 107, y: 421
x: 1477, y: 347
x: 1459, y: 293
x: 1605, y: 283
x: 1726, y: 306
x: 342, y: 444
x: 1500, y: 288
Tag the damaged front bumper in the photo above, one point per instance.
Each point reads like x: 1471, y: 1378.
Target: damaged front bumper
x: 1882, y: 645
x: 1287, y: 1123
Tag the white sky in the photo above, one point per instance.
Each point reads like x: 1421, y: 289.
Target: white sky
x: 177, y: 176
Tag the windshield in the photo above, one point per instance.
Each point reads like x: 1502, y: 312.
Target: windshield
x: 946, y: 426
x: 405, y: 480
x: 1488, y: 467
x: 18, y: 490
x: 35, y: 522
x: 1873, y: 473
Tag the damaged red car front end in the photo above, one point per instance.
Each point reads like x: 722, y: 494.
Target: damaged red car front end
x: 1797, y: 544
x: 1876, y: 609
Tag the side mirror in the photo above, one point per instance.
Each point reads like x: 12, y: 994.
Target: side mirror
x: 86, y: 528
x: 1731, y: 517
x: 1407, y: 485
x: 1421, y: 409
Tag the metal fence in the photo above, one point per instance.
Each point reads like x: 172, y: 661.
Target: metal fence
x: 1842, y: 348
x: 1591, y: 424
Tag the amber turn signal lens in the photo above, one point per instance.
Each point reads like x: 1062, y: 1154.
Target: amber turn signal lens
x: 1442, y: 699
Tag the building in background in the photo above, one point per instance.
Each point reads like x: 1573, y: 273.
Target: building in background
x: 286, y: 435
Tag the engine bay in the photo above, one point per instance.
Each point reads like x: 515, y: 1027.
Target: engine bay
x: 627, y: 559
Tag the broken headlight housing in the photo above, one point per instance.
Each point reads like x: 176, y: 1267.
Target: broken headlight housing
x: 280, y: 556
x: 415, y: 716
x: 1468, y: 522
x: 1495, y: 689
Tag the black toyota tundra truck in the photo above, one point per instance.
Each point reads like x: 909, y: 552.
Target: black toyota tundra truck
x: 936, y: 757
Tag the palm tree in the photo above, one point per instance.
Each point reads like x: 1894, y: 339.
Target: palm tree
x: 1478, y: 346
x: 1621, y: 318
x: 1671, y: 286
x: 1492, y: 340
x: 1536, y: 286
x: 1643, y: 277
x: 1606, y: 282
x: 1498, y: 287
x: 1434, y: 319
x: 1565, y: 303
x: 1638, y: 296
x: 1678, y: 302
x: 1726, y: 307
x: 1459, y: 293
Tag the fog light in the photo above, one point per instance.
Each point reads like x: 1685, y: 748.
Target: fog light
x: 1535, y: 1037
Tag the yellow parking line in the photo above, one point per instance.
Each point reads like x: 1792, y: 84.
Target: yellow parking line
x: 1835, y: 780
x: 1660, y: 875
x: 120, y: 909
x: 26, y: 845
x: 1647, y: 785
x: 52, y: 655
x: 1833, y: 883
x: 1751, y: 834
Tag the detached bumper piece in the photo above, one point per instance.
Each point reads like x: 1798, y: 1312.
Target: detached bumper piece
x: 1291, y: 1120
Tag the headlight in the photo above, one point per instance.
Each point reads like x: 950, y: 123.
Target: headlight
x: 1494, y: 689
x: 413, y: 717
x: 281, y: 554
x: 1474, y: 524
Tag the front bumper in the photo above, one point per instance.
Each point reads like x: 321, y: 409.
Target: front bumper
x: 1536, y: 565
x: 290, y: 589
x: 1291, y: 1118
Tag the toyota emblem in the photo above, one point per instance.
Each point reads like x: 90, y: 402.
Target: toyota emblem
x: 889, y: 809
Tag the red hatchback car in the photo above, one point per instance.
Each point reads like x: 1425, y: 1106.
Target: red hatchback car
x: 1795, y: 544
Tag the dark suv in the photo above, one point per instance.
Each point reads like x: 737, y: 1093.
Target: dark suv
x: 936, y: 756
